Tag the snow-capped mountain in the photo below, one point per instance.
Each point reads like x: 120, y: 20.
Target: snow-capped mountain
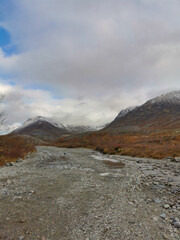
x: 69, y: 128
x: 160, y: 112
x: 39, y: 120
x: 125, y: 111
x: 170, y: 97
x: 49, y: 129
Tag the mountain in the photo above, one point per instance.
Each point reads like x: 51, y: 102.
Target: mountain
x: 125, y: 111
x: 41, y: 128
x: 48, y: 129
x: 162, y: 112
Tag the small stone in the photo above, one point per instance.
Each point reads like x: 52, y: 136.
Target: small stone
x: 176, y: 219
x: 30, y: 192
x: 131, y: 222
x: 163, y: 216
x: 19, y: 160
x: 104, y: 174
x: 166, y: 206
x: 7, y: 164
x: 165, y: 236
x: 155, y: 183
x: 9, y: 181
x: 11, y: 164
x: 155, y: 219
x: 157, y: 200
x: 21, y: 237
x: 21, y: 221
x: 146, y: 184
x: 139, y: 161
x: 177, y: 224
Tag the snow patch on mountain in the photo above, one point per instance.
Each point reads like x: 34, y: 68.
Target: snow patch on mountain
x: 170, y: 97
x: 69, y: 128
x: 125, y: 111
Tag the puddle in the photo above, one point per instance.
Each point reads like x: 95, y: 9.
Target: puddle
x: 114, y: 164
x: 102, y: 158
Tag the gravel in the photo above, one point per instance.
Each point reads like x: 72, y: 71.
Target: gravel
x: 64, y: 194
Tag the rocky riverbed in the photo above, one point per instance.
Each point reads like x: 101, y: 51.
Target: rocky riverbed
x: 69, y: 194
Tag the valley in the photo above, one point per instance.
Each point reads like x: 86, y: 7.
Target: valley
x: 118, y: 181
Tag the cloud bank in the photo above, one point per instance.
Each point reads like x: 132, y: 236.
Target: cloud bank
x: 96, y: 57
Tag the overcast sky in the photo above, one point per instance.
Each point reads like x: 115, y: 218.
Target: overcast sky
x: 82, y: 61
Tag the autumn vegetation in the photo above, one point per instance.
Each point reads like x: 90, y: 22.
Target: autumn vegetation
x: 152, y: 144
x: 14, y: 147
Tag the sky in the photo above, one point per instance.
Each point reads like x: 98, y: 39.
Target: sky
x: 80, y: 62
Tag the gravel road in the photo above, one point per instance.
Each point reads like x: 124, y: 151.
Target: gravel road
x: 69, y: 194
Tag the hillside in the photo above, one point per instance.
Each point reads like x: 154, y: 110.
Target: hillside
x: 162, y: 112
x: 150, y: 130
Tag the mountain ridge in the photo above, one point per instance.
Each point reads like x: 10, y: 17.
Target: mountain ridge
x: 160, y: 112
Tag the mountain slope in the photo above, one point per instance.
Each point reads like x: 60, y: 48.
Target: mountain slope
x: 41, y: 128
x: 162, y: 112
x: 125, y: 111
x: 48, y: 129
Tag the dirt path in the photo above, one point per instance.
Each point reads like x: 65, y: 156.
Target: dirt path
x: 64, y: 194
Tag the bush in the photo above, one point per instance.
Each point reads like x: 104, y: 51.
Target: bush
x: 14, y: 147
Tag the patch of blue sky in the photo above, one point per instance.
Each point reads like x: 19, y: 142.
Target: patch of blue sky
x: 5, y: 37
x: 6, y: 76
x: 6, y: 43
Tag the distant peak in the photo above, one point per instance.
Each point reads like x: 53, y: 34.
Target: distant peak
x: 171, y: 97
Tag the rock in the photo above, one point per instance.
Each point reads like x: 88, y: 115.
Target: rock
x: 175, y: 160
x: 166, y: 206
x: 30, y: 192
x: 177, y: 224
x: 104, y: 174
x: 176, y: 219
x: 21, y: 237
x: 9, y: 181
x: 170, y: 179
x: 163, y: 216
x: 19, y: 160
x: 155, y: 183
x: 165, y: 236
x: 21, y: 221
x: 146, y: 184
x: 11, y: 164
x: 7, y: 164
x: 155, y: 219
x: 131, y: 222
x: 157, y: 200
x: 139, y: 161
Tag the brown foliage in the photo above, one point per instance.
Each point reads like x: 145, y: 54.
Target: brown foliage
x: 14, y: 147
x: 152, y: 144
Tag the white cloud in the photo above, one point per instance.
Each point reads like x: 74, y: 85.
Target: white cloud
x: 21, y: 104
x: 100, y: 56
